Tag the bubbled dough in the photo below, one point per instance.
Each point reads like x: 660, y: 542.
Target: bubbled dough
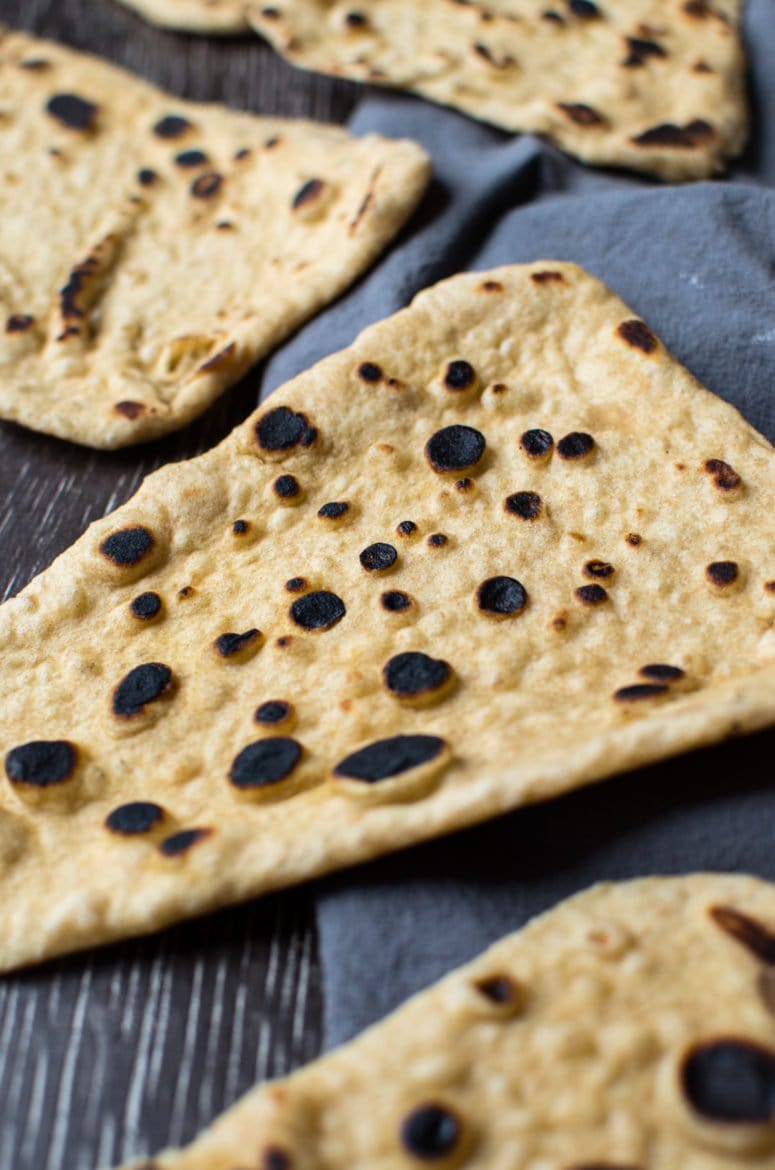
x: 504, y: 62
x: 531, y: 713
x: 185, y: 290
x: 611, y: 992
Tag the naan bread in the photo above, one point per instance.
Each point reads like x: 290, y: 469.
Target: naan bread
x: 151, y: 249
x: 630, y: 1028
x: 501, y: 547
x: 213, y: 17
x: 653, y: 85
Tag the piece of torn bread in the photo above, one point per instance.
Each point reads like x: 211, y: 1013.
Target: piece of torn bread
x: 630, y: 1028
x: 152, y: 249
x: 653, y: 85
x: 501, y: 547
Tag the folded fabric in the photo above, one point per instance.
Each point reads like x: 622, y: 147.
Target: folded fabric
x: 697, y: 264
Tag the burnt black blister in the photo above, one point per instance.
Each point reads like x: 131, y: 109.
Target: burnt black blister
x: 575, y: 445
x: 273, y: 711
x: 669, y: 134
x: 455, y: 448
x: 640, y: 50
x: 731, y: 1080
x: 581, y: 114
x: 307, y: 193
x: 395, y: 601
x: 191, y: 158
x: 746, y: 930
x: 437, y: 540
x: 128, y: 546
x: 275, y: 1158
x: 378, y: 557
x: 296, y: 584
x: 265, y: 762
x: 583, y: 8
x: 72, y: 111
x: 501, y: 595
x: 146, y: 177
x: 41, y: 762
x: 228, y: 645
x: 333, y: 510
x: 389, y: 757
x: 459, y: 375
x: 413, y: 673
x: 129, y: 409
x: 282, y: 428
x: 498, y: 989
x: 637, y: 334
x: 661, y: 672
x: 370, y: 372
x: 171, y: 126
x: 526, y: 505
x: 206, y: 185
x: 536, y: 443
x: 598, y: 570
x: 591, y: 594
x: 639, y: 692
x: 724, y: 476
x: 19, y: 323
x: 318, y: 611
x: 139, y: 816
x: 722, y: 573
x: 430, y: 1131
x: 286, y: 487
x: 406, y: 528
x: 143, y: 685
x: 146, y: 606
x: 182, y: 841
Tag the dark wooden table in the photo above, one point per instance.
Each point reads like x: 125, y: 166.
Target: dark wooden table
x: 116, y: 1053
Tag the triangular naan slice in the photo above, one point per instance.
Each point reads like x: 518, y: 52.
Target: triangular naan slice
x: 152, y: 249
x: 630, y: 1028
x: 655, y: 85
x: 501, y: 547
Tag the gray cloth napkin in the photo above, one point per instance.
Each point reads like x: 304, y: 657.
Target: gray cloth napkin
x: 698, y: 263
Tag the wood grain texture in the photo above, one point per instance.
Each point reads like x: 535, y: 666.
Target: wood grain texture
x: 116, y: 1053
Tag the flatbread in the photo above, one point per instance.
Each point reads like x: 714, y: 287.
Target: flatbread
x: 151, y: 249
x: 630, y: 1028
x: 504, y: 543
x: 212, y: 17
x: 653, y: 85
